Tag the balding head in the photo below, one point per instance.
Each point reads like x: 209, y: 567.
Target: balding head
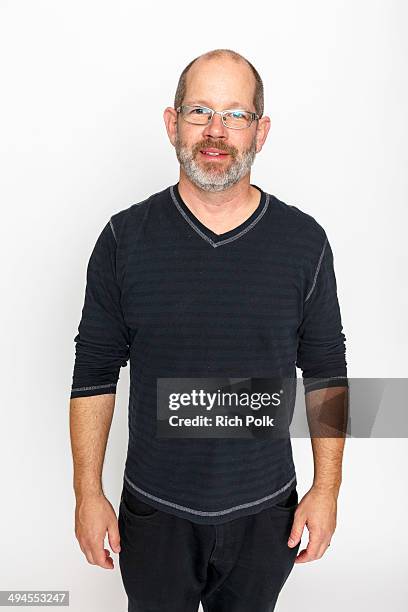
x: 227, y: 60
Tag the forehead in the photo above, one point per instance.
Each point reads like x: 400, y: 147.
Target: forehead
x: 192, y: 101
x: 220, y: 82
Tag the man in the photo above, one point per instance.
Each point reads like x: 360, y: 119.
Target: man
x: 210, y: 277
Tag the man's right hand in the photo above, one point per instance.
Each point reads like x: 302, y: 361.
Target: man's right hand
x: 94, y: 516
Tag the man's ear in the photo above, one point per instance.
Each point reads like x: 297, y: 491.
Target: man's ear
x: 170, y: 120
x: 263, y: 128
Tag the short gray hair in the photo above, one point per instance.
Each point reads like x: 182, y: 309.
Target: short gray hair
x: 259, y: 89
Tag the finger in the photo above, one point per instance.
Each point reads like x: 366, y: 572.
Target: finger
x: 108, y: 558
x: 323, y: 549
x: 296, y: 532
x: 100, y: 558
x: 88, y: 554
x: 313, y: 550
x: 302, y: 556
x: 114, y: 536
x: 320, y: 541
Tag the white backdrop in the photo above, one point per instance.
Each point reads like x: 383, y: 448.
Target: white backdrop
x: 84, y: 85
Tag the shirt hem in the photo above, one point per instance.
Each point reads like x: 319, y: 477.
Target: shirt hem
x: 210, y: 517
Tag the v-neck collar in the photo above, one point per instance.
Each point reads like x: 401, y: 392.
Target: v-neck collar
x: 214, y: 239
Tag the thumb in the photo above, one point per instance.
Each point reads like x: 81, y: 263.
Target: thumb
x: 296, y: 532
x: 114, y: 537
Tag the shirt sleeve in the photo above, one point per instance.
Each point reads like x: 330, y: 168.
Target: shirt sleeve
x: 102, y: 342
x: 321, y: 341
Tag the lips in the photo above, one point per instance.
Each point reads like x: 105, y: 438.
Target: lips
x: 211, y: 152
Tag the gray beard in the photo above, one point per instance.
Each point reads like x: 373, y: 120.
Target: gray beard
x: 216, y: 180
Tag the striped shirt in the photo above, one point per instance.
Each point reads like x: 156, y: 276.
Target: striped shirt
x: 175, y: 299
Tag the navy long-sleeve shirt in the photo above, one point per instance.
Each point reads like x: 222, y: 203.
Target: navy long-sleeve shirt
x: 176, y: 300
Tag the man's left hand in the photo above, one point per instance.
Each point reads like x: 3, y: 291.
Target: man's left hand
x: 318, y: 510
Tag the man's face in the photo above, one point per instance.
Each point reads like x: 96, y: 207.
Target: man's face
x: 219, y: 84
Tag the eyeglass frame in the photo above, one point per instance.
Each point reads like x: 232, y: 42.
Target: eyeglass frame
x: 254, y: 116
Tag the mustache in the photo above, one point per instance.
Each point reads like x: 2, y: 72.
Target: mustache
x: 216, y: 145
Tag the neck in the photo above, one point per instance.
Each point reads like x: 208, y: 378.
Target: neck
x: 220, y: 210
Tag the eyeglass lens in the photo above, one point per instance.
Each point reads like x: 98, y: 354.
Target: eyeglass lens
x: 200, y: 116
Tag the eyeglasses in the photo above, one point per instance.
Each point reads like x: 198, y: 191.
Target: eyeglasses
x: 235, y: 118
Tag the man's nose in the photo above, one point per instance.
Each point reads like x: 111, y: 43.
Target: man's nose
x: 215, y: 128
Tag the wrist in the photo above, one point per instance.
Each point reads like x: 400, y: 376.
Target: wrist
x: 87, y: 490
x: 324, y: 487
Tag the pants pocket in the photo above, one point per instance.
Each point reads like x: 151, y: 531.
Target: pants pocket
x: 134, y: 508
x: 288, y: 503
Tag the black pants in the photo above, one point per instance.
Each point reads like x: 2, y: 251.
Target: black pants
x: 169, y: 564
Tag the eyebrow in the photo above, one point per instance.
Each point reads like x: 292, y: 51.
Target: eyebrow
x: 202, y: 103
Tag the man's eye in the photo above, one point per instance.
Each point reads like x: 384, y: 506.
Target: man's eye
x: 200, y: 111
